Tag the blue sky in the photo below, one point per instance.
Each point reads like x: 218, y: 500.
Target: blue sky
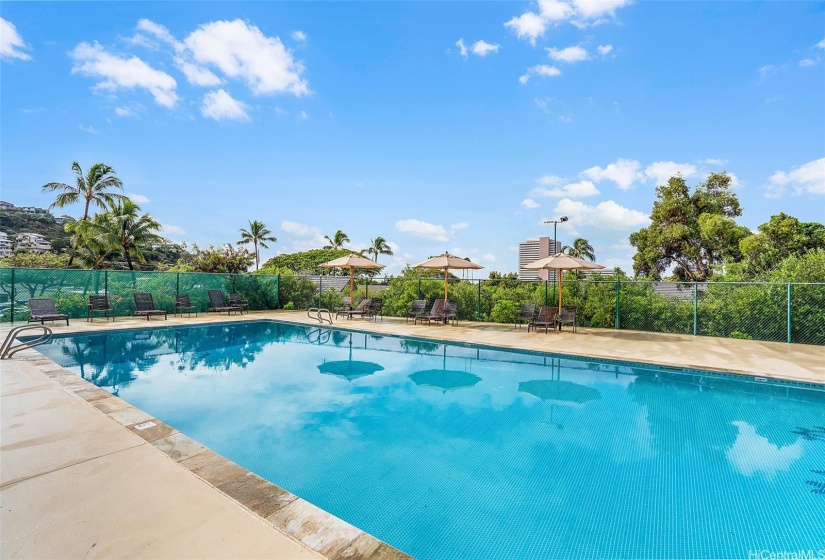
x: 436, y: 125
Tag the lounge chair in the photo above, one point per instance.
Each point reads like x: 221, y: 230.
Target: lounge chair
x: 145, y: 306
x: 546, y: 320
x: 346, y: 307
x: 184, y: 305
x: 218, y: 303
x: 567, y: 315
x: 450, y: 312
x: 419, y: 307
x: 375, y: 309
x: 99, y: 304
x: 436, y: 313
x: 526, y: 315
x: 43, y: 309
x: 238, y: 300
x: 362, y: 309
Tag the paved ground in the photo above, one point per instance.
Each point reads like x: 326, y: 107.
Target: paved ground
x: 78, y: 480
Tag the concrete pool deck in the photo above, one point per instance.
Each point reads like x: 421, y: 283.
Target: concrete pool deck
x: 84, y: 475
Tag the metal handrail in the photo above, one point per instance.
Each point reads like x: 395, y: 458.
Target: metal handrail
x: 7, y: 350
x: 317, y: 314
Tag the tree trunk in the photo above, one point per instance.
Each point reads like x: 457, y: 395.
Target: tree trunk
x: 128, y: 258
x: 257, y: 256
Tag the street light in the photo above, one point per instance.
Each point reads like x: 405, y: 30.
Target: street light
x: 555, y: 244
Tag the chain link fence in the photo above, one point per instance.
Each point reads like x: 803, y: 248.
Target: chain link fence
x: 779, y: 312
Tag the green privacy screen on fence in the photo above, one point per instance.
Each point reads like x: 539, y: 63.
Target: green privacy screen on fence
x: 759, y: 311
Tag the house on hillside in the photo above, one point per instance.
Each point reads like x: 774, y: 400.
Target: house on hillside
x: 33, y: 242
x: 7, y: 206
x: 5, y: 245
x: 63, y: 219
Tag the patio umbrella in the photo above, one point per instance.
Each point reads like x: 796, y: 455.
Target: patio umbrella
x: 559, y: 392
x: 448, y: 262
x: 352, y: 261
x: 349, y: 369
x: 444, y: 379
x: 559, y: 262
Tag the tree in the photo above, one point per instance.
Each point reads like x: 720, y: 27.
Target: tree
x: 692, y: 232
x: 337, y: 241
x: 305, y: 262
x: 123, y: 226
x: 781, y: 237
x: 94, y: 188
x: 225, y: 259
x: 258, y: 235
x: 379, y: 246
x: 581, y: 249
x: 93, y: 250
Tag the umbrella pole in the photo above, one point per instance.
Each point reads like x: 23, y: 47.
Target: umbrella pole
x: 351, y: 274
x: 445, y: 283
x: 560, y: 290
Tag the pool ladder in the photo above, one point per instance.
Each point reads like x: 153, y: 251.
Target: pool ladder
x: 8, y: 349
x: 316, y: 313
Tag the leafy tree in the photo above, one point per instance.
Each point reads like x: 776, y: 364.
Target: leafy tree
x: 226, y: 259
x: 337, y: 241
x: 379, y: 246
x: 93, y: 251
x: 305, y: 262
x: 581, y: 249
x: 258, y: 235
x: 781, y: 237
x: 26, y: 259
x: 94, y: 188
x: 123, y: 226
x: 691, y: 231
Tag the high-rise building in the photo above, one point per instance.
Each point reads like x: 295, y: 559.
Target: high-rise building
x: 533, y: 250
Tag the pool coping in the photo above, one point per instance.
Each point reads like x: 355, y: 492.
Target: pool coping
x: 298, y: 519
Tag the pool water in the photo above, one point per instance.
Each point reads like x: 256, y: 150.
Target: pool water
x: 461, y: 451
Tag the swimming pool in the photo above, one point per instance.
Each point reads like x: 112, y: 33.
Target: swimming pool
x: 462, y: 451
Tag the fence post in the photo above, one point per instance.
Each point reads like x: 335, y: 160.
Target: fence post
x: 177, y: 285
x: 366, y: 288
x: 278, y: 292
x: 618, y: 301
x: 419, y: 288
x: 789, y: 312
x: 320, y: 288
x: 695, y: 307
x: 545, y: 293
x: 13, y: 295
x: 106, y: 283
x: 478, y: 303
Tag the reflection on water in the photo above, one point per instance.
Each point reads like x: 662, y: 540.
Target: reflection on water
x: 466, y: 452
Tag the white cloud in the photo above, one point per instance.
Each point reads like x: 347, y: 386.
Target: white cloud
x: 821, y: 44
x: 140, y: 40
x: 239, y: 50
x: 459, y: 225
x: 197, y: 75
x: 713, y: 161
x: 606, y: 215
x: 299, y: 36
x: 138, y: 198
x: 807, y: 62
x: 90, y: 129
x: 489, y: 257
x: 550, y: 180
x: 417, y: 228
x: 581, y: 13
x: 462, y: 48
x: 160, y: 32
x: 529, y: 203
x: 572, y: 190
x: 11, y: 43
x: 124, y: 112
x: 219, y: 105
x: 117, y: 72
x: 309, y: 237
x: 808, y: 178
x: 528, y: 26
x: 483, y: 48
x: 774, y: 98
x: 303, y: 115
x: 172, y: 229
x: 569, y: 54
x: 539, y: 70
x: 299, y: 229
x: 623, y: 172
x: 662, y: 171
x: 752, y: 453
x: 766, y: 69
x: 604, y: 49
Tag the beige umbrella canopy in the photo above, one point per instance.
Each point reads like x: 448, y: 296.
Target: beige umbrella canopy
x: 560, y: 262
x: 351, y: 261
x: 448, y: 262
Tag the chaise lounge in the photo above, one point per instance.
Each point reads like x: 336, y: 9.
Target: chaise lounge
x: 218, y: 303
x: 43, y: 309
x: 436, y: 313
x: 546, y: 320
x: 145, y: 306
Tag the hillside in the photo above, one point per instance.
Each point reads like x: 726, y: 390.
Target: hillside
x: 44, y: 224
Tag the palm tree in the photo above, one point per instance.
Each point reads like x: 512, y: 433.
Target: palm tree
x: 258, y: 235
x: 125, y: 228
x: 93, y: 187
x: 336, y: 241
x: 379, y: 246
x: 581, y: 249
x: 92, y: 251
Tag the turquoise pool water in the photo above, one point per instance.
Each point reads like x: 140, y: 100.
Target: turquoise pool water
x: 459, y: 451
